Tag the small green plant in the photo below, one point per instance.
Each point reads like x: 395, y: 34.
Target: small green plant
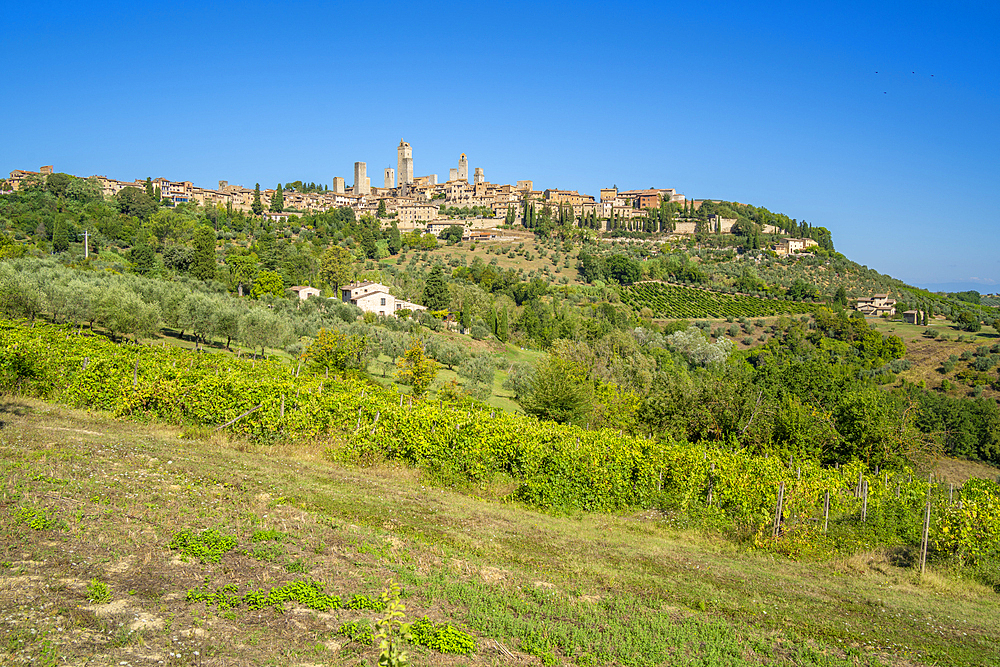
x: 98, y: 592
x: 358, y: 631
x: 391, y: 629
x: 298, y: 565
x: 268, y: 551
x: 270, y: 535
x: 441, y: 637
x: 364, y: 602
x: 208, y: 546
x: 37, y: 519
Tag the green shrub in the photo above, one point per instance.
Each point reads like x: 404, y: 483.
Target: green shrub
x: 441, y: 637
x: 358, y: 631
x: 208, y: 546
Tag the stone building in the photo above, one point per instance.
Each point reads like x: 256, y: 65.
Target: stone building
x: 362, y: 185
x: 404, y: 165
x: 479, y: 177
x: 463, y: 167
x: 390, y: 178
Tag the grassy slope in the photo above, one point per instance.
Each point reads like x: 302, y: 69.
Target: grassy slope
x: 623, y: 589
x: 927, y: 354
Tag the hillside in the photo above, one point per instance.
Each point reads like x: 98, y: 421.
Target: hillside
x: 636, y: 589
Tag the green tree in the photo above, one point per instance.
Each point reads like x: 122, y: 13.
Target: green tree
x: 452, y: 234
x: 336, y: 267
x: 436, y: 295
x: 278, y: 200
x: 256, y: 206
x: 503, y: 328
x: 560, y: 391
x: 242, y: 271
x: 968, y: 321
x: 135, y: 202
x: 840, y: 298
x: 381, y: 212
x: 336, y: 351
x: 478, y: 372
x: 203, y: 264
x: 416, y: 369
x: 143, y: 258
x: 262, y: 327
x: 60, y: 237
x: 395, y: 241
x: 268, y: 282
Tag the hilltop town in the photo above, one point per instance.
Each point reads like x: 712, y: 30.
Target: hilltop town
x: 418, y: 202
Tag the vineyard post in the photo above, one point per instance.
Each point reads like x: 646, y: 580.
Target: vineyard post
x: 282, y: 406
x: 777, y: 509
x: 951, y: 493
x: 711, y: 483
x: 857, y: 489
x: 826, y: 511
x: 298, y: 368
x: 798, y: 472
x: 378, y: 413
x: 923, y: 540
x: 135, y: 371
x: 864, y: 502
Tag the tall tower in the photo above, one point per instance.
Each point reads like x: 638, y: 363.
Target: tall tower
x: 390, y: 178
x: 463, y: 168
x: 404, y: 163
x: 338, y: 185
x: 479, y: 176
x: 361, y: 178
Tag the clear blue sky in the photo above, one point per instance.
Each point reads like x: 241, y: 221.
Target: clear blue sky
x: 775, y: 104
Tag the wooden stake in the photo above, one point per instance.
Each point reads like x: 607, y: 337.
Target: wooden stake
x: 826, y: 512
x: 233, y: 421
x: 711, y: 484
x: 927, y: 527
x: 864, y: 502
x: 777, y: 510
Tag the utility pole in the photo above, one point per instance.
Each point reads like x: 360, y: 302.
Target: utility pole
x: 86, y: 244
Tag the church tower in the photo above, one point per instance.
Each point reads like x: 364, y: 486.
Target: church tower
x: 463, y: 168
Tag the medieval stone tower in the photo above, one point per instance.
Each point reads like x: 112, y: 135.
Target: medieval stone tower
x: 463, y: 168
x: 390, y: 178
x: 361, y: 182
x: 479, y: 176
x: 404, y: 163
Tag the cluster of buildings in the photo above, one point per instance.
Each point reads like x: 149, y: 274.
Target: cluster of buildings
x: 415, y: 201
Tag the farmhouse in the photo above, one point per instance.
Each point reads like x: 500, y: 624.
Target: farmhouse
x: 792, y: 246
x: 877, y: 305
x: 372, y: 297
x: 305, y: 292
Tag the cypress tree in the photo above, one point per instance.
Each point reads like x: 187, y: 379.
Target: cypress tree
x: 503, y: 332
x: 278, y: 200
x: 256, y: 206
